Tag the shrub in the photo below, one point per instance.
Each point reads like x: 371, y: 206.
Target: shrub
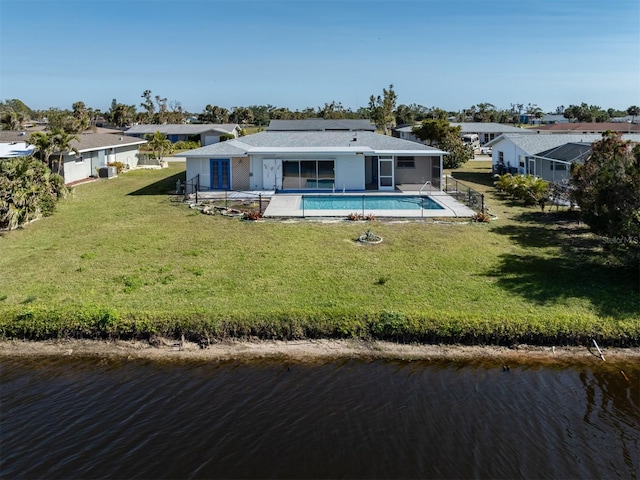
x: 253, y: 215
x: 481, y: 217
x: 186, y: 145
x: 530, y: 189
x: 28, y: 191
x: 119, y: 166
x: 354, y: 217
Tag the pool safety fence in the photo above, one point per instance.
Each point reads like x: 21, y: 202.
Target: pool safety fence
x: 231, y: 198
x: 464, y: 194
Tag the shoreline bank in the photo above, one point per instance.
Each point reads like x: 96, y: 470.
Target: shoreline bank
x: 313, y: 351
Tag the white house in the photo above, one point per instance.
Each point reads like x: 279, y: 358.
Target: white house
x: 521, y: 154
x: 205, y: 133
x: 485, y: 131
x: 97, y: 150
x: 314, y: 161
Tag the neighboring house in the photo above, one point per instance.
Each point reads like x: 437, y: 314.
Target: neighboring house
x: 589, y: 127
x: 554, y: 165
x: 553, y: 118
x: 205, y: 133
x: 320, y: 125
x: 535, y: 154
x: 14, y: 144
x: 97, y: 150
x: 314, y: 160
x: 485, y: 131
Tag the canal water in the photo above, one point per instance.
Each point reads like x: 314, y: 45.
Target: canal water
x: 115, y: 418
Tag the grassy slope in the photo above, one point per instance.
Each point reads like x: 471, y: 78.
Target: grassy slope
x: 127, y: 245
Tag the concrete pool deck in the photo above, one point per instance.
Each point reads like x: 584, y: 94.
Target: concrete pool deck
x: 290, y: 205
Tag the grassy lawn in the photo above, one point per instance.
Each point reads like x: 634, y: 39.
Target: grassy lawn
x: 128, y: 255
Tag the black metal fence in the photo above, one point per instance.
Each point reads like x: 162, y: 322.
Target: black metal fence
x: 191, y: 186
x: 464, y: 194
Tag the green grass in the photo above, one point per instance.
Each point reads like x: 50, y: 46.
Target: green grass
x: 125, y: 257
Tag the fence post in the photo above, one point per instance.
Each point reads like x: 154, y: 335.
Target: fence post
x: 482, y: 201
x: 260, y: 203
x: 302, y: 206
x: 363, y: 205
x: 469, y: 201
x: 446, y: 183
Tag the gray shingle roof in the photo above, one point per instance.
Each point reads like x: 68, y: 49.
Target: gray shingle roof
x: 320, y: 125
x: 190, y: 129
x: 532, y: 144
x: 86, y: 141
x: 98, y: 141
x: 274, y: 142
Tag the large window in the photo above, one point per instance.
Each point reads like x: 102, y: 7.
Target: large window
x: 406, y: 162
x: 308, y: 174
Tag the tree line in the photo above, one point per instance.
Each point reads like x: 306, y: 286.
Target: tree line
x: 382, y: 110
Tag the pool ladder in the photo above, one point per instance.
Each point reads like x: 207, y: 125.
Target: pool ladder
x: 428, y: 182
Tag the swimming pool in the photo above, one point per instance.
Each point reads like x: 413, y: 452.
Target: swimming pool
x: 368, y: 202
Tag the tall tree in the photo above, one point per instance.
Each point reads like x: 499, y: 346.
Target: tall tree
x: 332, y: 111
x: 382, y: 109
x: 634, y: 111
x: 214, y: 114
x: 120, y: 114
x: 607, y: 190
x: 446, y: 137
x: 485, y: 113
x: 81, y: 116
x: 148, y: 105
x: 434, y: 131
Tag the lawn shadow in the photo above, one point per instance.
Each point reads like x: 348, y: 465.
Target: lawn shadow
x: 165, y: 186
x: 481, y: 178
x: 580, y: 268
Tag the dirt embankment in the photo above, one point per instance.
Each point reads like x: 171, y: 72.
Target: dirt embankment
x: 314, y: 350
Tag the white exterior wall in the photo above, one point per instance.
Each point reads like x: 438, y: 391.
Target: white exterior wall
x: 127, y: 155
x: 74, y: 171
x: 199, y: 166
x: 511, y: 153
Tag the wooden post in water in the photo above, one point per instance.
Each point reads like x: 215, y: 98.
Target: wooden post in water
x: 599, y: 351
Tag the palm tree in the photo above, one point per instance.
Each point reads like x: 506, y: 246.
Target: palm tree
x: 61, y: 141
x: 44, y: 146
x: 159, y: 145
x: 634, y: 111
x: 11, y: 120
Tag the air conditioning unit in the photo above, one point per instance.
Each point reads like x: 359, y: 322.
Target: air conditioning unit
x: 107, y: 172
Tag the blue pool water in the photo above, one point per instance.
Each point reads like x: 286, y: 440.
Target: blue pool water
x: 368, y: 202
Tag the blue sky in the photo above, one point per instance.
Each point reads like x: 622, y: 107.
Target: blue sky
x: 302, y: 53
